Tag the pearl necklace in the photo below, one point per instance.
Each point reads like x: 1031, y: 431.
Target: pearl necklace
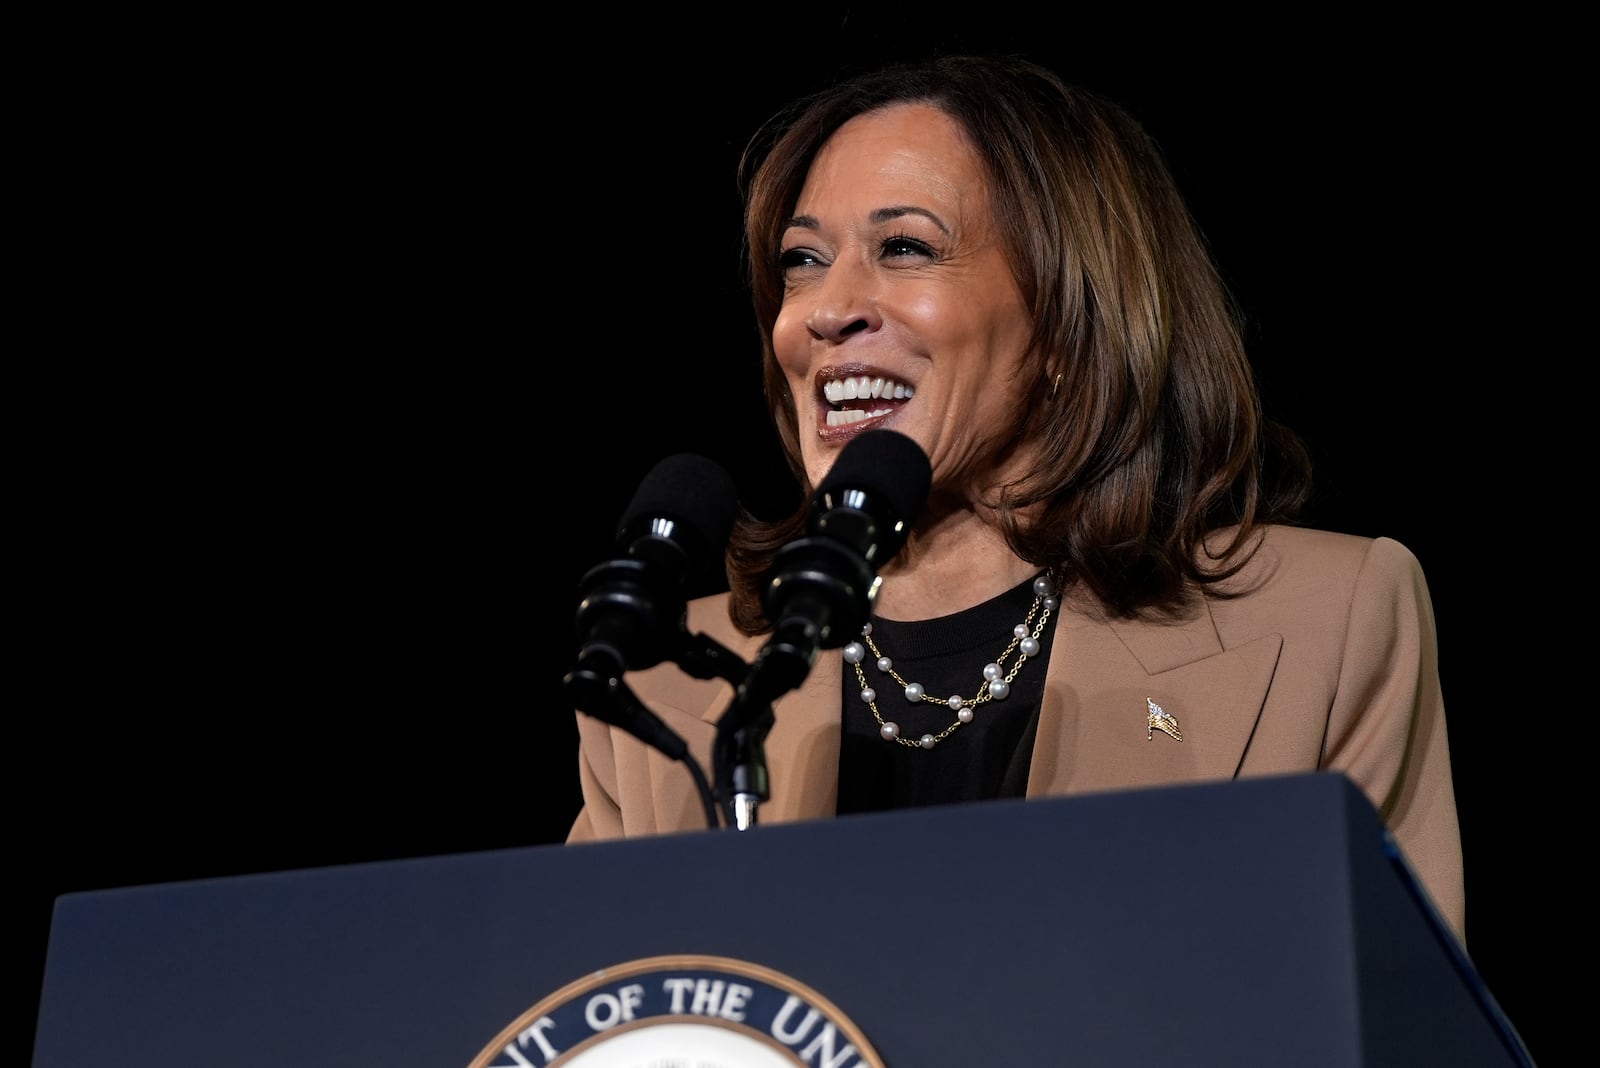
x: 996, y: 679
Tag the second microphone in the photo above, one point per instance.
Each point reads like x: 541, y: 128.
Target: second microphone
x: 820, y: 588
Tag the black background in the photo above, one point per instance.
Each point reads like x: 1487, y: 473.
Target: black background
x: 390, y: 320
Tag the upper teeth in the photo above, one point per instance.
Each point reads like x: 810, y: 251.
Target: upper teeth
x: 864, y: 386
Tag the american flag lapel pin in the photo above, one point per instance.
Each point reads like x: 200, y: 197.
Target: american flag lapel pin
x: 1161, y: 720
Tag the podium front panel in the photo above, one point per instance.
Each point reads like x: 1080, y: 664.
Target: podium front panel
x: 1263, y: 922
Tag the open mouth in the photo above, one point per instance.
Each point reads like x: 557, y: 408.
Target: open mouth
x: 862, y: 397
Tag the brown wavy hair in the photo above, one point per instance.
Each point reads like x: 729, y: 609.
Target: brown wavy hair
x: 1154, y: 436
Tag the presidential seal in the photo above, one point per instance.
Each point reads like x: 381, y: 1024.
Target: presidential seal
x: 681, y: 1012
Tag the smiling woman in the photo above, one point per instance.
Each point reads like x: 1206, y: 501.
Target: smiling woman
x: 1108, y: 586
x: 893, y: 271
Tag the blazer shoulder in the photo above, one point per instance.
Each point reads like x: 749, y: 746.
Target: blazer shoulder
x: 1333, y: 551
x: 1292, y: 567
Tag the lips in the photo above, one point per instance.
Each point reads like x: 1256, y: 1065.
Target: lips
x: 856, y: 398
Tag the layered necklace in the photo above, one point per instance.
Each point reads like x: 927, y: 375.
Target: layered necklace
x: 997, y: 677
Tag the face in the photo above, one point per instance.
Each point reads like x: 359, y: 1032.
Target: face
x: 900, y: 310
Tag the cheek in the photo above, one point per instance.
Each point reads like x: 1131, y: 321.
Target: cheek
x: 962, y: 319
x: 994, y: 323
x: 929, y: 312
x: 791, y: 343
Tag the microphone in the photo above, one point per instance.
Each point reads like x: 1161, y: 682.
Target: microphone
x: 633, y: 608
x: 818, y: 593
x: 820, y: 587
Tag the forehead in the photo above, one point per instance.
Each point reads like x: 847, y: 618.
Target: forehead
x: 901, y: 154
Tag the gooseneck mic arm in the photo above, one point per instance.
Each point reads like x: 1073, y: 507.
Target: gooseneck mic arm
x: 819, y: 593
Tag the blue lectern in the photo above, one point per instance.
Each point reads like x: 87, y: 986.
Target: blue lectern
x: 1264, y: 922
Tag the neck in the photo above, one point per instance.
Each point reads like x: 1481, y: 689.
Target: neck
x: 948, y: 566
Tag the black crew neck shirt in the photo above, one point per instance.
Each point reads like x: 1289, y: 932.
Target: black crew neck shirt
x: 987, y: 758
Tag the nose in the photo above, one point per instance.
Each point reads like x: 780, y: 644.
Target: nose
x: 844, y: 304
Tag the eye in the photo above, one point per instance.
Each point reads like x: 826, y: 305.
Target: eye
x: 791, y: 258
x: 901, y: 247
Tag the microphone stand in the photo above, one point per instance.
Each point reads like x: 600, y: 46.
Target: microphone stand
x: 739, y: 757
x: 741, y: 768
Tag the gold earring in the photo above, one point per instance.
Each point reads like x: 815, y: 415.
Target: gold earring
x: 1055, y: 385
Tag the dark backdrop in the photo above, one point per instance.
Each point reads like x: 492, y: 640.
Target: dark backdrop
x: 397, y: 317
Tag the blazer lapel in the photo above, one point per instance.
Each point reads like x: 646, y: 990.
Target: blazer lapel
x: 804, y: 742
x: 1095, y: 730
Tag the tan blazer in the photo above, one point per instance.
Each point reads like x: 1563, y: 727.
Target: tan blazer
x: 1329, y: 661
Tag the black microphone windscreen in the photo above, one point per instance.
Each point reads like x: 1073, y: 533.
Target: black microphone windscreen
x: 689, y: 500
x: 884, y: 463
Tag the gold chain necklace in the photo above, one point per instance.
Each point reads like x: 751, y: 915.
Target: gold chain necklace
x: 996, y: 678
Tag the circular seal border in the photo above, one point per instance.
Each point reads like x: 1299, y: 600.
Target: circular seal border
x: 564, y: 999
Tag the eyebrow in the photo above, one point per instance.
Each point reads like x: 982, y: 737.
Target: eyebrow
x: 882, y: 215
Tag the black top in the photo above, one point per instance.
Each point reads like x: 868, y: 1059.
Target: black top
x: 986, y: 758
